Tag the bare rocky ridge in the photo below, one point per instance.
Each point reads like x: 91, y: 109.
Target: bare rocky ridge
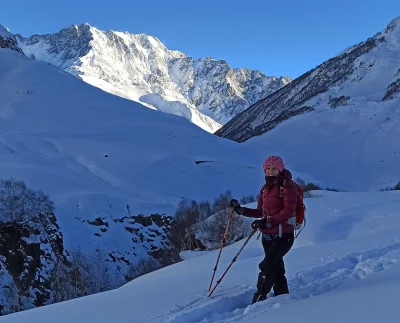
x: 354, y: 76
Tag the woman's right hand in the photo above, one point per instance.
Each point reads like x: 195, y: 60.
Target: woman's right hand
x: 236, y: 205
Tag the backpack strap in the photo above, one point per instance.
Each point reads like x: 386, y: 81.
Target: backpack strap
x: 262, y: 189
x: 292, y: 220
x: 281, y: 196
x: 262, y: 193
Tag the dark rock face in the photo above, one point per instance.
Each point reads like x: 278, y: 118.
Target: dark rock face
x: 339, y: 101
x: 8, y: 40
x: 392, y: 90
x: 71, y: 43
x: 28, y: 253
x: 149, y: 234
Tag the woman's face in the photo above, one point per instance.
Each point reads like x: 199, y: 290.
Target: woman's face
x: 271, y: 171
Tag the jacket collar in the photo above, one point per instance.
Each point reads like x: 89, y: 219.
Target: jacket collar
x: 283, y: 176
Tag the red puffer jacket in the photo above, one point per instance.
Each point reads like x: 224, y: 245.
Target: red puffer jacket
x: 276, y: 206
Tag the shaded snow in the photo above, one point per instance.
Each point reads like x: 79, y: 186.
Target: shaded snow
x: 95, y: 153
x: 337, y: 275
x: 354, y: 147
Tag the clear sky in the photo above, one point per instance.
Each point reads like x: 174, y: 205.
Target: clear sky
x: 286, y: 37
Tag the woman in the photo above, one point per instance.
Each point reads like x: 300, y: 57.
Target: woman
x: 276, y: 205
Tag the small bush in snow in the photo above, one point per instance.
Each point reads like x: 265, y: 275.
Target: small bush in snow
x: 307, y: 186
x: 394, y: 188
x: 212, y: 230
x: 18, y: 203
x: 83, y: 275
x: 312, y: 186
x: 331, y: 189
x: 188, y: 211
x: 195, y: 224
x: 309, y: 195
x: 247, y: 199
x: 222, y: 201
x: 142, y: 267
x: 182, y: 236
x: 205, y: 210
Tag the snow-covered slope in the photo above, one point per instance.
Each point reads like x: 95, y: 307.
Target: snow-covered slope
x: 139, y: 67
x: 343, y: 116
x: 104, y: 159
x: 344, y: 267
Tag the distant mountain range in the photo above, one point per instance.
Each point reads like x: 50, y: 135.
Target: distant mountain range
x: 139, y: 67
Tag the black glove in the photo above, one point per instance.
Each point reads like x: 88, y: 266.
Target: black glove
x: 236, y: 205
x: 260, y: 224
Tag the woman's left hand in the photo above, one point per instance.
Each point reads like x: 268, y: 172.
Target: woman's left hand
x: 260, y: 224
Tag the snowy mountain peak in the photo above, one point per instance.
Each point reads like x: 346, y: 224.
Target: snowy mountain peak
x: 4, y: 32
x: 395, y: 23
x: 81, y: 27
x: 140, y: 67
x: 86, y: 24
x: 73, y: 30
x: 8, y: 40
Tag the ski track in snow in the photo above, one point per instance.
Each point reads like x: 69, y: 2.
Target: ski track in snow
x: 225, y: 307
x: 194, y: 302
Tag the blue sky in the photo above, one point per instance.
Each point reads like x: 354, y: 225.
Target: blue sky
x: 276, y: 37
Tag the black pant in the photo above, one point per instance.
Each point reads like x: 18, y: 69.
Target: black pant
x: 272, y: 268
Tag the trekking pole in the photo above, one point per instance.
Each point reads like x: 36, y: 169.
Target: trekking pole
x: 221, y: 246
x: 301, y: 229
x: 233, y: 260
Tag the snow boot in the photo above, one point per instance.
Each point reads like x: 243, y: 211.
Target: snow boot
x: 258, y: 297
x: 280, y: 290
x: 260, y: 294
